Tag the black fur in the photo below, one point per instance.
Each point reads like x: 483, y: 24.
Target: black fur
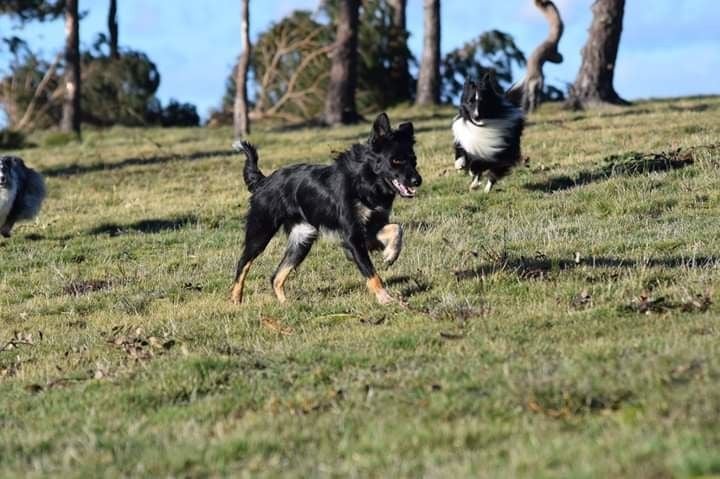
x: 352, y: 197
x: 22, y: 191
x: 485, y: 110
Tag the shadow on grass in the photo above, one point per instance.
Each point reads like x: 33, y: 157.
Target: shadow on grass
x: 149, y: 226
x: 410, y: 286
x: 543, y: 267
x: 579, y: 116
x: 75, y: 169
x: 629, y: 164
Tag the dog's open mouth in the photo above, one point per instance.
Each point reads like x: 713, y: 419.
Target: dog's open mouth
x: 404, y: 191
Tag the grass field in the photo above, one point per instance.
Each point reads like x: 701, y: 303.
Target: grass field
x: 566, y: 324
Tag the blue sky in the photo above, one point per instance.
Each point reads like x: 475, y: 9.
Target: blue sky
x: 668, y: 48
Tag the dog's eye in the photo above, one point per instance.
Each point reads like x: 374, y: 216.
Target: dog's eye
x: 396, y: 162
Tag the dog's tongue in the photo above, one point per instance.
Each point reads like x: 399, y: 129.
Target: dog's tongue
x: 403, y: 190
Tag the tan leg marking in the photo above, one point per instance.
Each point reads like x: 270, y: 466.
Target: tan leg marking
x: 375, y: 285
x: 391, y: 236
x: 279, y: 283
x: 237, y: 291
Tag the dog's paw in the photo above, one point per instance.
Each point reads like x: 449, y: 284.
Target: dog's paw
x: 475, y: 184
x: 394, y: 247
x: 384, y: 298
x: 236, y: 294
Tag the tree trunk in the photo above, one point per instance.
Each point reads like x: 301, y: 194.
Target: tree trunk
x: 71, y: 106
x: 399, y: 73
x: 340, y: 101
x: 241, y: 121
x: 594, y: 83
x: 113, y: 29
x: 528, y: 93
x: 429, y: 78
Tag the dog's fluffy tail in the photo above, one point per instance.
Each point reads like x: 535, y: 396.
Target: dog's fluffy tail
x: 251, y: 173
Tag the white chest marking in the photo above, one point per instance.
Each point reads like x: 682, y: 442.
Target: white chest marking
x: 487, y: 140
x: 7, y: 198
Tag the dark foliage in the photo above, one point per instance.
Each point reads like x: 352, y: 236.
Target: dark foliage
x: 11, y: 140
x: 176, y: 114
x: 493, y: 50
x: 117, y: 91
x: 379, y: 42
x: 27, y: 10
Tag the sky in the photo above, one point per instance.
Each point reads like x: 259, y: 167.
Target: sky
x: 668, y: 47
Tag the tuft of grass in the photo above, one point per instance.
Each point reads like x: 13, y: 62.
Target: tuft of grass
x: 564, y: 325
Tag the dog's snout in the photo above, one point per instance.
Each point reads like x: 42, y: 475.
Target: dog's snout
x: 416, y: 181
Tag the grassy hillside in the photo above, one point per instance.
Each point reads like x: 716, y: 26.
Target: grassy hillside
x: 565, y: 325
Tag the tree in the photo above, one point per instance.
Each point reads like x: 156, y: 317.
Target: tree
x: 399, y: 73
x: 429, y: 77
x: 381, y: 45
x: 291, y: 68
x: 113, y: 30
x: 71, y: 107
x: 529, y: 92
x: 594, y: 83
x: 290, y: 65
x: 494, y: 51
x: 340, y: 100
x: 241, y: 121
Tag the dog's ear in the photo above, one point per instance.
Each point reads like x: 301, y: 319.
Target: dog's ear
x: 491, y: 82
x: 406, y: 128
x: 467, y: 89
x: 381, y: 127
x: 380, y: 130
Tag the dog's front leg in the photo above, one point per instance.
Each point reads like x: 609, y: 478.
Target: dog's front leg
x: 475, y: 183
x: 391, y: 237
x: 461, y: 161
x: 355, y: 243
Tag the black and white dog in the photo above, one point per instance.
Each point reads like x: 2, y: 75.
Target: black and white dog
x: 22, y: 191
x: 352, y: 197
x: 487, y: 132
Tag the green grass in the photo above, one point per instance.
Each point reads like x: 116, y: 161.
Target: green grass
x: 564, y: 325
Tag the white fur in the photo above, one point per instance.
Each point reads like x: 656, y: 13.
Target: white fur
x: 487, y: 140
x: 301, y: 234
x: 364, y: 213
x: 7, y: 198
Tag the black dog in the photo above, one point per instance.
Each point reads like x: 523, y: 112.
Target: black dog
x: 351, y: 197
x: 487, y: 132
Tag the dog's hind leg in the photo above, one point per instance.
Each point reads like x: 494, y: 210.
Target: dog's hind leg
x: 300, y: 241
x: 391, y: 237
x: 258, y: 234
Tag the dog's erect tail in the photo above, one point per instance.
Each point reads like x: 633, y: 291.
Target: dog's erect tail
x: 251, y: 173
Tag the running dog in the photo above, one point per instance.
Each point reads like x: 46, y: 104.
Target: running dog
x: 351, y: 197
